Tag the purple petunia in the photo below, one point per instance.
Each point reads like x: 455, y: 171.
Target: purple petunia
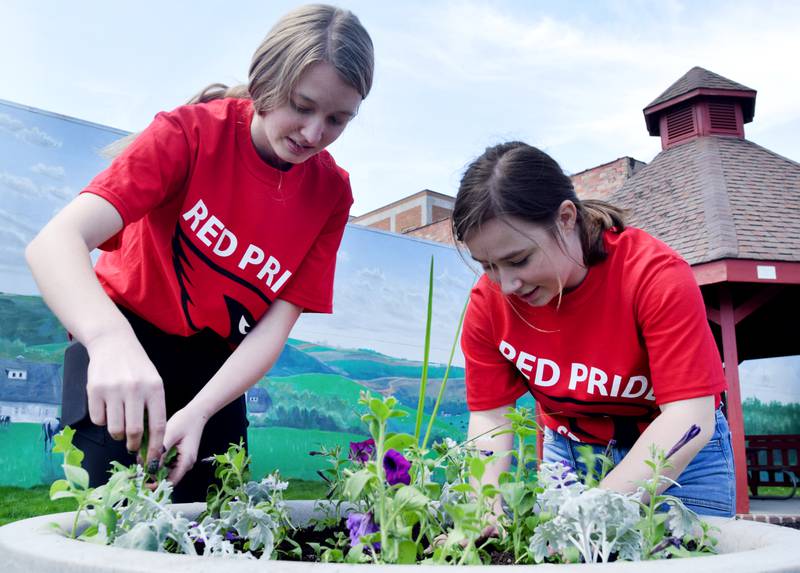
x: 666, y: 542
x: 690, y: 434
x: 566, y: 472
x: 396, y: 467
x: 361, y: 451
x: 359, y: 525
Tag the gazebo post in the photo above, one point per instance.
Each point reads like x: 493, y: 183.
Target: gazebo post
x: 734, y: 404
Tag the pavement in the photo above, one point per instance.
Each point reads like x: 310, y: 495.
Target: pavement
x: 775, y: 506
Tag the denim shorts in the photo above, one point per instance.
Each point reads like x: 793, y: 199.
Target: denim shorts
x: 707, y: 485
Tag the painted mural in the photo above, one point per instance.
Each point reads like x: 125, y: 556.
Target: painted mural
x: 373, y: 341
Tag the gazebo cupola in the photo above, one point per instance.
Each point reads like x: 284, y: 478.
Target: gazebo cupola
x: 700, y: 103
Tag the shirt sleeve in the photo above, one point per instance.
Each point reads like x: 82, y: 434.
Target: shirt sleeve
x: 147, y: 173
x: 491, y: 380
x: 311, y: 287
x: 684, y: 360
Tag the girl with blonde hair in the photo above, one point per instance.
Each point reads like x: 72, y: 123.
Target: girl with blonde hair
x: 219, y: 224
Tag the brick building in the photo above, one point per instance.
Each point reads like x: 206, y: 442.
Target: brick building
x: 426, y: 214
x: 406, y: 215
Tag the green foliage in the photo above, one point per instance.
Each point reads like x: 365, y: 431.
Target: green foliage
x: 28, y: 320
x: 21, y: 503
x: 770, y: 418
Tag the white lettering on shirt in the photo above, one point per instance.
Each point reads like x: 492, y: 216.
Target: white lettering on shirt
x: 629, y: 389
x: 579, y: 373
x: 232, y: 243
x: 548, y: 373
x: 565, y: 432
x: 211, y: 227
x: 225, y: 244
x: 199, y: 212
x: 555, y: 373
x: 507, y: 350
x: 525, y: 364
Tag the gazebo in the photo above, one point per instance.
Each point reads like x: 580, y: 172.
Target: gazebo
x: 731, y: 208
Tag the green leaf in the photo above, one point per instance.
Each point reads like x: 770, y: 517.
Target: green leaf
x: 488, y: 490
x: 463, y: 488
x: 107, y: 517
x: 58, y: 486
x: 399, y: 442
x: 332, y: 556
x: 407, y: 552
x: 62, y: 442
x: 512, y: 493
x: 77, y: 476
x: 433, y: 489
x: 410, y: 498
x: 477, y: 467
x: 355, y: 484
x: 62, y: 495
x: 379, y: 409
x: 73, y: 457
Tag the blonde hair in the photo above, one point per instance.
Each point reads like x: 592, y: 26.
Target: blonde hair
x: 301, y: 38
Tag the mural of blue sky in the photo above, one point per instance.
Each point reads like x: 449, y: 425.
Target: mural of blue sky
x: 381, y: 291
x: 45, y: 160
x: 381, y: 281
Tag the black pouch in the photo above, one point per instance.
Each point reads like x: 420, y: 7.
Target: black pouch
x: 74, y: 404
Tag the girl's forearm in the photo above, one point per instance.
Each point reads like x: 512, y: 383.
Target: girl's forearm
x: 60, y: 263
x: 673, y: 422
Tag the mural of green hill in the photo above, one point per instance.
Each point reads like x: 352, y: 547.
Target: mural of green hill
x: 28, y: 320
x: 293, y: 361
x: 330, y: 402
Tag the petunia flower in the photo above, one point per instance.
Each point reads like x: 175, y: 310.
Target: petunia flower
x: 565, y: 474
x: 359, y: 525
x: 361, y: 451
x: 690, y: 434
x: 396, y: 468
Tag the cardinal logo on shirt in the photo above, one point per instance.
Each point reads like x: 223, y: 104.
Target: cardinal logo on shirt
x: 212, y: 296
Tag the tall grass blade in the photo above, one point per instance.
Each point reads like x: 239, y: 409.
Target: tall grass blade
x: 423, y: 382
x: 446, y: 375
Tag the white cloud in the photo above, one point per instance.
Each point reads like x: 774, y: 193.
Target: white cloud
x: 26, y: 187
x: 22, y: 185
x: 52, y: 171
x: 32, y: 135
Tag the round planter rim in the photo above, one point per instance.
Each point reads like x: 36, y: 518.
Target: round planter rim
x: 33, y: 545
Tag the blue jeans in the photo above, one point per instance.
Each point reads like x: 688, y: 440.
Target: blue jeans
x: 707, y: 485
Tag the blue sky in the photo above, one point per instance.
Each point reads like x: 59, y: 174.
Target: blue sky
x: 451, y: 77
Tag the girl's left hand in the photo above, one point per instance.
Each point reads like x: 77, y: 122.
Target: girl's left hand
x: 184, y: 430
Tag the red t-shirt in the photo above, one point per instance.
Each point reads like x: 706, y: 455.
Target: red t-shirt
x: 631, y: 336
x: 212, y: 234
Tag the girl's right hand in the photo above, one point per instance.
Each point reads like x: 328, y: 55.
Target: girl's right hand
x: 121, y: 384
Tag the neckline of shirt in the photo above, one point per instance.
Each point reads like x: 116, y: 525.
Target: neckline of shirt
x: 252, y: 160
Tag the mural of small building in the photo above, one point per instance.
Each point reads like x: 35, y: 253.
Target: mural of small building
x: 29, y: 391
x: 258, y: 400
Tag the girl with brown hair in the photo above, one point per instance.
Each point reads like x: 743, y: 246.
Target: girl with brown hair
x: 603, y: 324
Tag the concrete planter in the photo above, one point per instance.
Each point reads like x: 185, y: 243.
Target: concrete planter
x: 32, y: 546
